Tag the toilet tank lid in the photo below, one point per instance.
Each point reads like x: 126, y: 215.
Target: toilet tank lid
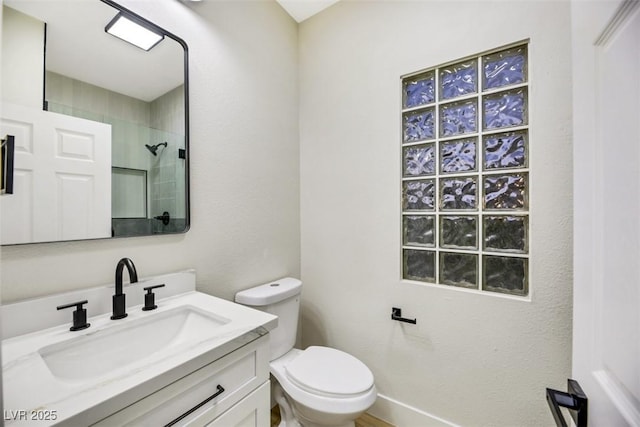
x: 270, y: 293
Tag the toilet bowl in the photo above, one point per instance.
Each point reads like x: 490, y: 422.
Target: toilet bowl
x: 323, y: 386
x: 318, y: 386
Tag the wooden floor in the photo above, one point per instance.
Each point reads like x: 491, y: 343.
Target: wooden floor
x: 365, y: 420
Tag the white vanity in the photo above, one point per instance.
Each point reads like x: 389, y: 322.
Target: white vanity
x: 195, y: 360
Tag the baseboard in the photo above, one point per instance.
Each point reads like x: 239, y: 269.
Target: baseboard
x: 402, y: 415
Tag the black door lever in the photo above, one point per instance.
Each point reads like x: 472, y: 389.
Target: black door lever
x: 575, y: 400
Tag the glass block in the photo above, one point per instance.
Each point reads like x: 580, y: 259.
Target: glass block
x: 459, y: 79
x: 419, y: 90
x: 419, y: 265
x: 419, y: 160
x: 505, y: 275
x: 505, y: 233
x: 459, y: 269
x: 459, y: 232
x: 418, y: 195
x: 419, y: 230
x: 458, y: 193
x: 505, y: 150
x: 505, y: 191
x: 505, y: 68
x: 458, y: 118
x: 458, y: 155
x: 419, y: 125
x: 505, y: 109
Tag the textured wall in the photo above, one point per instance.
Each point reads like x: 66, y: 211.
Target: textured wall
x: 244, y: 163
x: 472, y: 359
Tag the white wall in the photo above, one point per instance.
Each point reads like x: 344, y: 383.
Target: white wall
x: 22, y: 60
x: 472, y: 359
x: 244, y: 163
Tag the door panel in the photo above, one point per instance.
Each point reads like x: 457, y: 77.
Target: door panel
x: 618, y: 63
x: 606, y: 351
x: 62, y: 185
x: 75, y: 193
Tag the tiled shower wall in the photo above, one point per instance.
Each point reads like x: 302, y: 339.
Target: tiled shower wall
x: 167, y: 173
x: 129, y: 116
x: 145, y: 123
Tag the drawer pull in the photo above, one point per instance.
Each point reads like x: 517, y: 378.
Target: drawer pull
x: 219, y: 391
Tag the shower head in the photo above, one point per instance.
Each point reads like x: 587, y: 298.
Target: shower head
x: 154, y: 148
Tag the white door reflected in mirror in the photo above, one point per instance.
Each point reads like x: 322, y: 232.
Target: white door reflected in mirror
x: 62, y: 177
x: 88, y: 75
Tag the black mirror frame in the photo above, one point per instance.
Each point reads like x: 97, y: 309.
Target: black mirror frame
x: 183, y: 153
x: 182, y: 43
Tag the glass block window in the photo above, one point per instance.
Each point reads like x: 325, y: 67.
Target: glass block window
x: 465, y: 173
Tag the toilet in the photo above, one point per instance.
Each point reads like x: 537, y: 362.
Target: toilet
x: 319, y: 386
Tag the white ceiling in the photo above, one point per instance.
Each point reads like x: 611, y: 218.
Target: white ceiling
x: 303, y: 9
x: 79, y: 48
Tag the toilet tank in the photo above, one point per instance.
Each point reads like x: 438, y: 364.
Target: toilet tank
x: 281, y: 298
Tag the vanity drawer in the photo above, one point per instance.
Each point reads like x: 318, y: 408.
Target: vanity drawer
x: 252, y: 411
x: 202, y: 395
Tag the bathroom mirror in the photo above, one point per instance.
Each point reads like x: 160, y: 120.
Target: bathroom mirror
x: 100, y: 125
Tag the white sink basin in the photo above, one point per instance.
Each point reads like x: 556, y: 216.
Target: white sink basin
x: 85, y: 375
x: 105, y: 350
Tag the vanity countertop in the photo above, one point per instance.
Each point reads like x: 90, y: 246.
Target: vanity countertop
x: 36, y: 394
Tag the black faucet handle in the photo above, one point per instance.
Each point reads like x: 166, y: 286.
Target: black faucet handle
x: 150, y: 298
x: 79, y: 315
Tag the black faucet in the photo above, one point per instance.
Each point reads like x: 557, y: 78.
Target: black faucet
x: 119, y: 301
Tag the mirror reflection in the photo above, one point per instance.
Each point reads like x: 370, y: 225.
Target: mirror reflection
x: 104, y: 154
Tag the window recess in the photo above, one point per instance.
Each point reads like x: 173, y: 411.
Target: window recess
x: 465, y: 173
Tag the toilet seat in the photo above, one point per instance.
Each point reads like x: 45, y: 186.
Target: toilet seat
x: 325, y: 401
x: 329, y: 372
